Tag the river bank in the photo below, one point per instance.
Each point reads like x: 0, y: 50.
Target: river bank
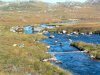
x: 77, y: 29
x: 20, y: 54
x: 71, y: 59
x: 91, y: 49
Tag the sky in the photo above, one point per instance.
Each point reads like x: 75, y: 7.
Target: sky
x: 51, y: 1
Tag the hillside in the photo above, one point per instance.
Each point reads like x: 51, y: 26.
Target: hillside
x: 41, y: 12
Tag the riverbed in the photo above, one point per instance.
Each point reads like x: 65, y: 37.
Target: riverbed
x: 78, y: 63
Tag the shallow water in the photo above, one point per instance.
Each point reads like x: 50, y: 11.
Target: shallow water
x: 77, y: 63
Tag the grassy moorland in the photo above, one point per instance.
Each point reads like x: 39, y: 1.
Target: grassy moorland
x: 93, y: 50
x: 79, y: 28
x: 39, y: 12
x: 13, y: 18
x: 16, y: 60
x: 27, y: 60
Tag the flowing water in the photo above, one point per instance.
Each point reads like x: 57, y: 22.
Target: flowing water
x: 78, y: 63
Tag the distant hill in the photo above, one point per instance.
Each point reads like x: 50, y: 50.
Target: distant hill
x: 24, y: 6
x: 93, y: 2
x: 40, y: 12
x: 33, y: 5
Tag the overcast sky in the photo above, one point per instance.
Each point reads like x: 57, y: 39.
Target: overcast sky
x: 51, y: 1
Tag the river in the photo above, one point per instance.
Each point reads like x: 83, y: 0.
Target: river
x: 78, y: 63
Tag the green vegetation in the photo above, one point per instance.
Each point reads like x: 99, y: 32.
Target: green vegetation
x: 82, y: 28
x: 15, y: 60
x: 93, y: 50
x: 79, y: 28
x: 51, y: 30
